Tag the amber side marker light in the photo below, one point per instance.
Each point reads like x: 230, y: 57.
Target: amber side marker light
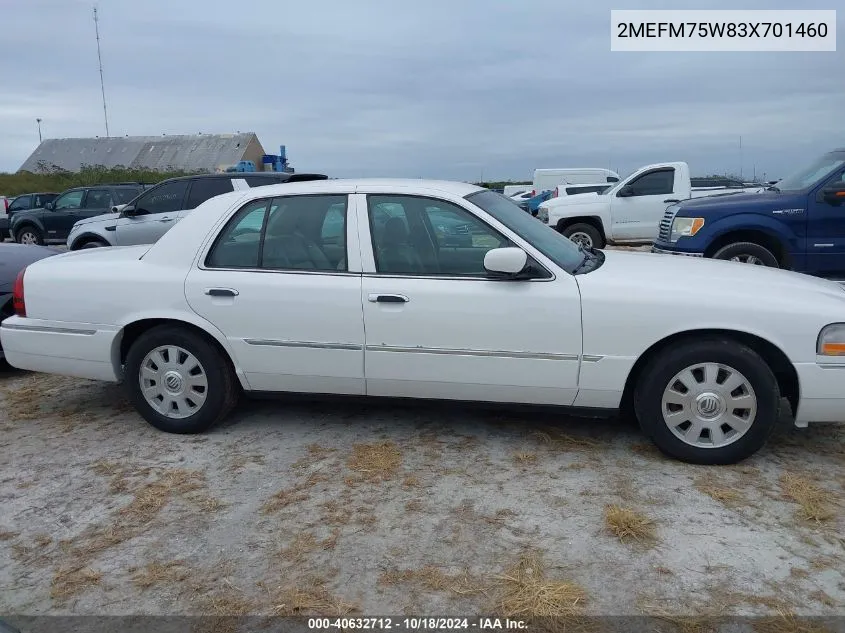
x: 833, y: 349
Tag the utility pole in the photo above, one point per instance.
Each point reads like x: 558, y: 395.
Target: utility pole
x: 100, y: 60
x: 38, y: 120
x: 740, y: 157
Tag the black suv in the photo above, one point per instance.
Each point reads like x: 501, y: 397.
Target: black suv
x: 53, y: 222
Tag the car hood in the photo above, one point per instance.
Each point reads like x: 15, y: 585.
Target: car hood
x: 731, y: 202
x: 710, y: 281
x: 575, y: 199
x: 105, y: 217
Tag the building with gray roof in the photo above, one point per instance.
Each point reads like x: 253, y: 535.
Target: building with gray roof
x: 188, y: 152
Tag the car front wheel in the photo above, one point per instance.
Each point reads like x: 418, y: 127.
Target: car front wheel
x: 747, y: 253
x: 714, y: 401
x: 179, y: 381
x: 29, y: 235
x: 585, y: 235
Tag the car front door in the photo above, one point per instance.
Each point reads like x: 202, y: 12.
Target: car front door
x: 154, y: 213
x: 437, y: 326
x: 59, y: 221
x: 291, y: 315
x: 826, y: 231
x: 637, y: 208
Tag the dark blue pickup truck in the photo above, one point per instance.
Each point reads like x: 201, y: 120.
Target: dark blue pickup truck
x: 797, y: 224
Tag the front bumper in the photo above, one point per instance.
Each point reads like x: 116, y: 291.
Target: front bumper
x: 822, y: 393
x: 655, y: 249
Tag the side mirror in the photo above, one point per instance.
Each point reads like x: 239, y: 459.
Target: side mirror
x: 626, y: 192
x: 50, y: 206
x: 508, y: 262
x: 126, y: 210
x: 834, y: 195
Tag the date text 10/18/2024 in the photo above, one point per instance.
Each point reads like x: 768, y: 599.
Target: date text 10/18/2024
x: 416, y: 624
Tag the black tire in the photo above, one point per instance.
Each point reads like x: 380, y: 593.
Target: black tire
x: 31, y: 230
x: 222, y: 391
x: 92, y: 244
x: 746, y: 250
x: 649, y: 390
x: 588, y: 230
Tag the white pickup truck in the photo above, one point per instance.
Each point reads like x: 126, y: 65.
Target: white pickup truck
x: 629, y: 212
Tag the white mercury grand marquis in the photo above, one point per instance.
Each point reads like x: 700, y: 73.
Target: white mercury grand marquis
x: 422, y: 289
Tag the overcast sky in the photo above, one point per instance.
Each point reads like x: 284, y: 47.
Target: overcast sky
x: 440, y: 88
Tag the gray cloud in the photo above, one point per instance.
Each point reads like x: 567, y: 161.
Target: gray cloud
x: 441, y: 89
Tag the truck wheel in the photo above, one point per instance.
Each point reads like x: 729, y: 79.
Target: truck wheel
x: 29, y: 235
x: 711, y: 401
x: 178, y: 381
x: 585, y: 235
x: 747, y: 253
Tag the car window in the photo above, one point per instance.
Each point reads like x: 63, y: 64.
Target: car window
x: 203, y: 189
x: 21, y: 203
x: 293, y: 236
x: 70, y: 200
x: 97, y: 199
x: 290, y: 238
x: 425, y: 236
x: 239, y: 243
x: 42, y: 199
x: 165, y: 198
x: 124, y: 195
x: 654, y: 183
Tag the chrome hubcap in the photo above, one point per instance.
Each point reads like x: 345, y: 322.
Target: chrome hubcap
x: 28, y: 238
x: 709, y: 405
x: 581, y: 239
x: 173, y: 381
x: 747, y: 259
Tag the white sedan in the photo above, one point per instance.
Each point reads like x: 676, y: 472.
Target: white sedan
x: 359, y: 287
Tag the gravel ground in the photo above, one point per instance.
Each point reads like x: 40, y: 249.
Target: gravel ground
x: 299, y: 506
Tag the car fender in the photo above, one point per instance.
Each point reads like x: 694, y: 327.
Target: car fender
x: 185, y: 316
x: 82, y: 237
x: 751, y: 222
x: 19, y: 221
x: 596, y: 208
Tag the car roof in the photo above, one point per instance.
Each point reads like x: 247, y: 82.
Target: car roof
x: 367, y: 185
x: 270, y: 175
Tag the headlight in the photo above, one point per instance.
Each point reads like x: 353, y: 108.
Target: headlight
x: 832, y: 340
x: 685, y: 227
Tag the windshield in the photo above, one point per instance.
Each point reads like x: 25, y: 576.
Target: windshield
x: 552, y: 244
x: 812, y: 174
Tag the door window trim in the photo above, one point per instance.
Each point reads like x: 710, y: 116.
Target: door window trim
x: 220, y: 226
x: 376, y: 274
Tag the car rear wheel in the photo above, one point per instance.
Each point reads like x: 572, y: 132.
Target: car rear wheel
x: 585, y: 235
x: 29, y: 235
x: 714, y: 401
x: 179, y: 381
x: 747, y: 253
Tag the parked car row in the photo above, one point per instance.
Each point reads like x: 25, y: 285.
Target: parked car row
x: 360, y: 288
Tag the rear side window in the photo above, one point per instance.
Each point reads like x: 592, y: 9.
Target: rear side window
x: 124, y: 194
x: 239, y: 244
x: 97, y: 199
x: 204, y: 189
x: 21, y: 204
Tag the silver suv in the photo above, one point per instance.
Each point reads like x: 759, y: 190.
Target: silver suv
x: 151, y: 214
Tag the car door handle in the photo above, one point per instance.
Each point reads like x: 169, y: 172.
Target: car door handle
x: 377, y: 298
x: 221, y: 292
x: 166, y: 220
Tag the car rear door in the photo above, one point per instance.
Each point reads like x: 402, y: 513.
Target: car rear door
x: 438, y: 327
x: 290, y: 314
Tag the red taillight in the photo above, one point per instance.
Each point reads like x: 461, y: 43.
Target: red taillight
x: 533, y: 192
x: 554, y: 195
x: 17, y: 295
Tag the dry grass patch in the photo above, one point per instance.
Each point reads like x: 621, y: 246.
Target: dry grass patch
x: 239, y: 462
x: 428, y: 577
x: 312, y: 598
x: 523, y: 590
x: 628, y: 524
x: 414, y: 505
x: 68, y: 582
x: 303, y: 544
x: 727, y: 496
x: 786, y: 622
x: 797, y: 572
x: 524, y: 458
x: 286, y: 497
x: 157, y: 573
x: 6, y: 535
x: 330, y: 542
x: 563, y: 442
x: 411, y: 481
x: 822, y: 598
x: 375, y: 462
x: 816, y: 504
x: 823, y: 562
